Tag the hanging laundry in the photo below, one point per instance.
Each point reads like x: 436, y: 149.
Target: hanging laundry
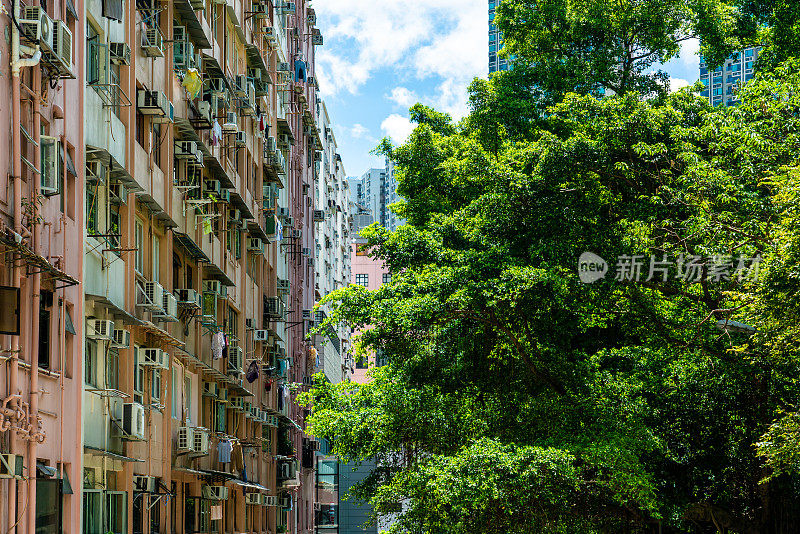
x: 217, y: 345
x: 252, y: 372
x: 237, y: 458
x: 224, y: 449
x: 216, y: 134
x: 224, y: 345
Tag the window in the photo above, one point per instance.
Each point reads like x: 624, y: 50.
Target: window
x: 48, y: 506
x: 155, y: 385
x: 219, y: 422
x: 362, y: 280
x: 44, y: 334
x: 187, y: 396
x: 138, y: 376
x: 176, y: 412
x: 112, y: 369
x: 91, y: 210
x: 114, y: 228
x: 90, y: 366
x: 139, y: 244
x: 156, y: 259
x: 104, y: 512
x: 387, y: 278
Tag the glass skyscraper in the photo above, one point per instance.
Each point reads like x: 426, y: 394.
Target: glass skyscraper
x: 495, y: 42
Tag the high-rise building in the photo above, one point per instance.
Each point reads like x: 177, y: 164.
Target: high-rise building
x: 372, y: 194
x: 158, y: 266
x: 722, y: 84
x: 496, y: 63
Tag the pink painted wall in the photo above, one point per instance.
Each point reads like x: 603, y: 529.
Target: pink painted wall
x: 374, y: 269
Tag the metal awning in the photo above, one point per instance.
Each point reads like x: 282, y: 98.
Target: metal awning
x: 238, y: 201
x: 192, y: 248
x: 248, y: 485
x: 255, y: 59
x: 214, y: 272
x: 298, y: 427
x: 116, y: 311
x: 94, y: 451
x: 193, y: 26
x: 238, y: 390
x: 256, y: 231
x: 115, y: 170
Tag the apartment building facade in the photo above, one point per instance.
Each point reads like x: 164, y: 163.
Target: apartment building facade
x: 721, y: 85
x: 159, y: 235
x: 332, y: 246
x: 496, y: 63
x: 41, y: 305
x: 372, y: 194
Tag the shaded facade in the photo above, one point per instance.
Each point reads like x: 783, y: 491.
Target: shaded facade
x: 722, y: 84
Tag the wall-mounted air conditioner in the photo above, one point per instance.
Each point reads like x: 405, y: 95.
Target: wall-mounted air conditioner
x: 240, y: 139
x: 153, y: 296
x: 185, y: 439
x: 217, y: 287
x: 153, y: 357
x: 133, y: 421
x: 284, y: 286
x: 235, y: 360
x: 231, y: 124
x: 261, y: 336
x: 144, y: 484
x: 151, y: 102
x: 152, y: 42
x: 210, y: 389
x: 100, y: 329
x: 120, y: 53
x: 170, y: 308
x: 270, y: 500
x: 252, y: 498
x: 122, y: 339
x: 215, y: 493
x: 255, y: 244
x: 201, y: 442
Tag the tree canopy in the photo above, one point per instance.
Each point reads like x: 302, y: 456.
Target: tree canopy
x: 518, y: 399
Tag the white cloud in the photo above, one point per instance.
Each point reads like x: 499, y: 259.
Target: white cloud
x: 676, y: 84
x: 359, y: 131
x: 403, y: 97
x: 397, y: 127
x: 445, y: 41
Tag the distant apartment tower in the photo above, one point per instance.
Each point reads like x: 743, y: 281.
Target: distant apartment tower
x: 495, y: 42
x: 722, y: 84
x: 372, y: 194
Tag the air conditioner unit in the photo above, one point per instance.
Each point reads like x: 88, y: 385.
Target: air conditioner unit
x: 215, y: 493
x: 37, y: 26
x: 247, y: 407
x: 170, y: 308
x: 185, y: 439
x: 186, y: 150
x: 252, y: 498
x: 152, y: 42
x: 133, y: 420
x: 240, y: 139
x: 240, y: 85
x: 261, y: 336
x: 50, y: 149
x: 282, y: 213
x: 237, y: 404
x: 296, y: 234
x: 11, y: 466
x: 289, y: 7
x: 270, y: 500
x: 235, y: 363
x: 188, y: 297
x: 284, y: 67
x: 215, y: 286
x: 122, y: 339
x: 201, y: 444
x: 288, y: 223
x: 144, y: 484
x: 154, y: 296
x: 230, y: 125
x: 268, y: 32
x: 317, y: 39
x: 255, y: 244
x: 100, y: 329
x: 169, y: 113
x: 271, y: 145
x: 120, y: 53
x: 204, y: 110
x: 284, y: 140
x: 284, y: 286
x: 306, y: 252
x: 118, y: 194
x: 151, y: 102
x: 319, y: 215
x: 61, y: 51
x: 95, y: 171
x: 210, y: 389
x: 253, y: 414
x: 308, y: 315
x: 156, y: 358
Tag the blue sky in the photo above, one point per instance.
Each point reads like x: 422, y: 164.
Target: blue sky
x: 382, y: 56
